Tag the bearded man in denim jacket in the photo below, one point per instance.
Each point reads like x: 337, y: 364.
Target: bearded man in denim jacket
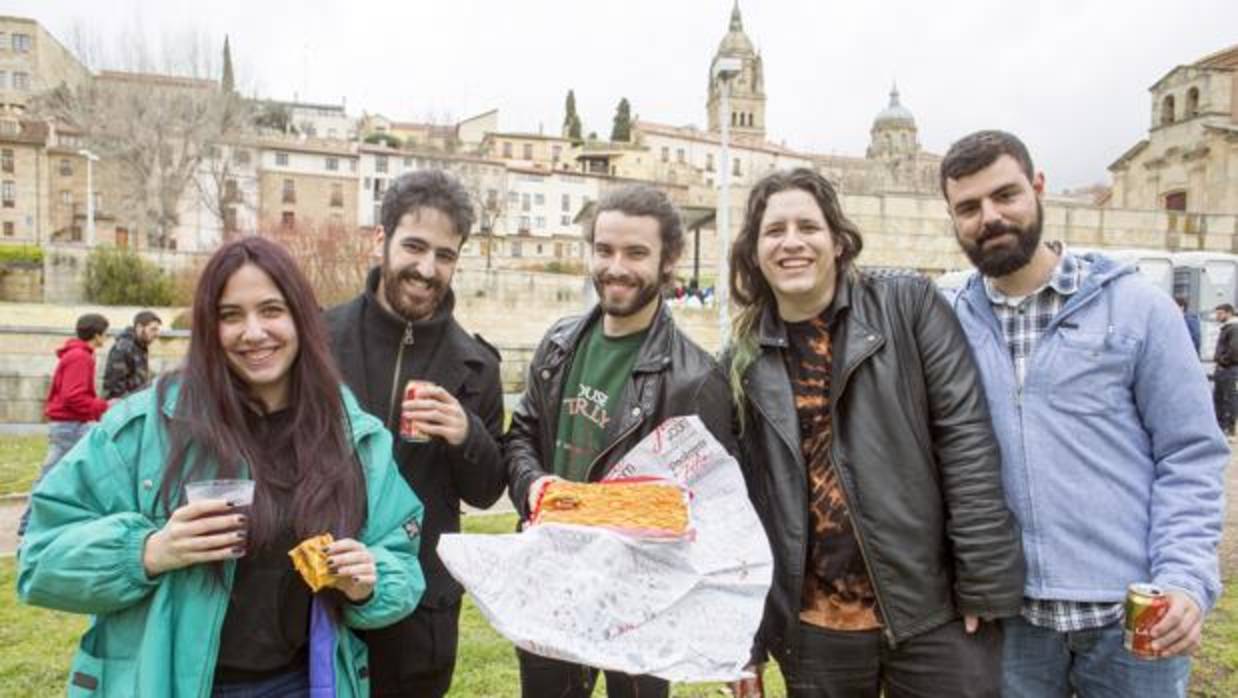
x: 1111, y: 459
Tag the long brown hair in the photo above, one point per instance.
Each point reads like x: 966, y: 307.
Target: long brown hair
x: 749, y: 289
x: 210, y: 427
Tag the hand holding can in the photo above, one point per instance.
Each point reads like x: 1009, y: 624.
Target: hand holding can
x: 431, y: 411
x: 408, y: 428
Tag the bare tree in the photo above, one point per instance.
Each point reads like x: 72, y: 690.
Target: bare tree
x: 335, y: 258
x: 156, y: 122
x: 218, y: 183
x: 486, y: 183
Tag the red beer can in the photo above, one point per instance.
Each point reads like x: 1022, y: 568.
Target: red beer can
x: 1146, y: 604
x: 409, y: 431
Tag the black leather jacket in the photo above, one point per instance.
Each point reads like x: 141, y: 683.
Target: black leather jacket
x: 915, y: 452
x: 672, y: 377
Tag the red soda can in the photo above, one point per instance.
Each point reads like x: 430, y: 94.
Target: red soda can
x: 409, y: 431
x: 1146, y: 604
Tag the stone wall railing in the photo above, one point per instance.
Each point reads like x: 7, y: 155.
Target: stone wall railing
x: 28, y: 359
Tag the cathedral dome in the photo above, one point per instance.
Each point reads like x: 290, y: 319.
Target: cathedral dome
x: 895, y: 114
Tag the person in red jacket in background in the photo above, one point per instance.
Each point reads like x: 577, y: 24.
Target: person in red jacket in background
x: 72, y: 404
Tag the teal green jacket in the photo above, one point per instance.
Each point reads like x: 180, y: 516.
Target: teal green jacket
x: 82, y: 553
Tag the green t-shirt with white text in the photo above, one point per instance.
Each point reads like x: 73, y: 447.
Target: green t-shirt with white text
x: 594, y: 387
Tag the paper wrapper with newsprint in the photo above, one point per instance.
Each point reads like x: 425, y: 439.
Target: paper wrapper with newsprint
x: 681, y: 610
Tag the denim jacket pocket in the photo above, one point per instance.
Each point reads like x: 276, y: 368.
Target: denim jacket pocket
x: 1090, y: 372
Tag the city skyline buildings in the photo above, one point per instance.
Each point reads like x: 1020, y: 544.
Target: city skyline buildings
x: 1071, y: 78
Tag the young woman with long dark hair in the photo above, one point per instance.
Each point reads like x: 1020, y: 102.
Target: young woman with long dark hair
x: 198, y: 599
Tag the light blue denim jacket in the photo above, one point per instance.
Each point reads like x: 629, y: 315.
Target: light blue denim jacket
x: 1112, y: 460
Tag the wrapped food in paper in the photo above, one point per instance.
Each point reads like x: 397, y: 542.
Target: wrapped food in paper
x: 645, y: 506
x: 310, y: 559
x: 684, y: 609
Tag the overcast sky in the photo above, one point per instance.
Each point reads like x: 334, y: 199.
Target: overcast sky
x: 1069, y: 76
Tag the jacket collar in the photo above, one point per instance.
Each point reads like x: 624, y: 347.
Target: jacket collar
x: 440, y: 324
x: 1101, y: 271
x: 772, y: 331
x: 856, y: 335
x: 655, y: 352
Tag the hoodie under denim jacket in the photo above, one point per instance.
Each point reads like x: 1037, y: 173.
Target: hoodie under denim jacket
x: 1112, y: 460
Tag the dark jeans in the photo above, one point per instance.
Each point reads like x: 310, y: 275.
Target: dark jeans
x: 945, y: 661
x: 542, y: 677
x: 294, y: 685
x: 1225, y: 397
x: 416, y: 657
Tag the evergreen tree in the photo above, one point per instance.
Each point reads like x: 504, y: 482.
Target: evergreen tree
x: 228, y: 83
x: 571, y: 120
x: 622, y: 129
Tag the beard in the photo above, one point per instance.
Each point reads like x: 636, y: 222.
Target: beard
x: 645, y: 292
x: 1003, y: 260
x: 407, y: 308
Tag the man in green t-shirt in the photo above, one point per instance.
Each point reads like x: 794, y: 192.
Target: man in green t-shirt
x: 600, y: 383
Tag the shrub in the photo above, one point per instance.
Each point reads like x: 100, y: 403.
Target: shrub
x: 21, y: 254
x: 116, y: 276
x: 570, y: 266
x: 334, y: 257
x: 384, y: 139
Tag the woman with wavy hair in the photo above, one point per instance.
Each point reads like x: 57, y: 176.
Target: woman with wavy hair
x: 201, y: 598
x: 870, y: 459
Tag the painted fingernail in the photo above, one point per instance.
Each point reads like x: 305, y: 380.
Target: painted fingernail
x: 242, y: 519
x: 240, y: 535
x: 356, y: 579
x: 233, y: 504
x: 238, y: 551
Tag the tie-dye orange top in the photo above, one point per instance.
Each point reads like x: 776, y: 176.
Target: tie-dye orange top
x: 837, y: 593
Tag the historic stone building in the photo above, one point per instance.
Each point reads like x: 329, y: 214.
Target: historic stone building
x: 747, y: 98
x: 1189, y: 160
x: 893, y: 161
x: 33, y: 61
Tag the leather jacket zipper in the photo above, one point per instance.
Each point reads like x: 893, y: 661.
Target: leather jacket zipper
x: 618, y: 439
x: 393, y: 414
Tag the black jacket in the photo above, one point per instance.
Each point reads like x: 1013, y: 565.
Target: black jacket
x: 127, y: 369
x: 1226, y: 355
x: 672, y: 377
x: 366, y: 341
x: 915, y: 452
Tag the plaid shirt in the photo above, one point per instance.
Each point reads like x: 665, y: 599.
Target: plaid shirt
x: 1023, y: 321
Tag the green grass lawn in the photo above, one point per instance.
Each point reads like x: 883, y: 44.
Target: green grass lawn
x: 20, y: 457
x: 1216, y: 665
x: 36, y: 645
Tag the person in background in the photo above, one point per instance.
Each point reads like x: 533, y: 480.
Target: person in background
x: 72, y: 405
x: 1224, y: 392
x: 128, y: 364
x: 1192, y: 323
